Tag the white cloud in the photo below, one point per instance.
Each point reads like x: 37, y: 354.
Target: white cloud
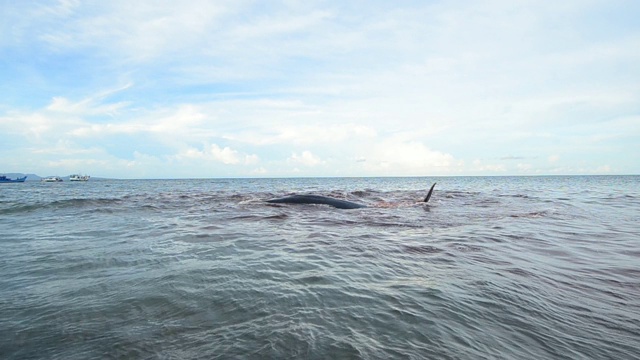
x: 65, y: 148
x: 90, y: 106
x: 306, y: 159
x: 524, y: 168
x: 215, y: 153
x: 182, y: 120
x: 259, y: 171
x: 407, y: 158
x: 137, y: 31
x: 480, y: 167
x: 606, y: 169
x: 225, y: 155
x: 298, y: 134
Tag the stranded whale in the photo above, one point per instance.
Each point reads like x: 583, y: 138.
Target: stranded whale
x: 317, y: 199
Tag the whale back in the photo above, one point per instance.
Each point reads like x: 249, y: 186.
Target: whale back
x: 316, y: 199
x: 337, y: 203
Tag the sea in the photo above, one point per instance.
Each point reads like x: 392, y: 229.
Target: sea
x: 542, y: 267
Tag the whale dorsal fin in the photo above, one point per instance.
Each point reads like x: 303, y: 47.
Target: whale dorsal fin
x: 426, y: 199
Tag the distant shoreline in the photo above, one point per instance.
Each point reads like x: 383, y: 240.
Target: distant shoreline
x: 34, y: 177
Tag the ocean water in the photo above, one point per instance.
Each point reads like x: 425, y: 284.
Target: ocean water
x: 491, y: 268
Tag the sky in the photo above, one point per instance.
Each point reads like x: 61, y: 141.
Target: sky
x: 208, y: 89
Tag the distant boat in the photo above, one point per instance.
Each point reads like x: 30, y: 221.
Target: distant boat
x: 52, y: 179
x: 4, y: 179
x: 76, y: 177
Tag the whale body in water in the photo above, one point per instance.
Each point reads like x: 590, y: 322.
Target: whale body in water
x: 325, y: 200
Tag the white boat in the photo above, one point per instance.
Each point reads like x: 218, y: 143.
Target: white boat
x: 52, y: 179
x: 76, y: 177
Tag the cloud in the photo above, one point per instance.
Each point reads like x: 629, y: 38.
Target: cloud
x: 512, y: 158
x: 90, y: 106
x: 411, y: 89
x: 259, y: 171
x: 603, y: 169
x: 298, y: 134
x: 62, y: 116
x: 138, y: 32
x: 306, y: 159
x: 481, y: 168
x: 182, y: 120
x: 524, y: 168
x: 407, y: 158
x: 215, y: 153
x: 65, y: 148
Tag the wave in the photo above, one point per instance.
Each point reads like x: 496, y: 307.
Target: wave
x: 60, y: 204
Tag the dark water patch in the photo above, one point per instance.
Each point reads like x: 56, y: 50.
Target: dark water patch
x: 416, y: 249
x: 465, y: 248
x: 523, y: 273
x: 210, y: 227
x: 518, y: 196
x: 252, y: 217
x: 202, y: 238
x: 460, y: 194
x: 533, y: 214
x: 17, y: 209
x: 363, y: 193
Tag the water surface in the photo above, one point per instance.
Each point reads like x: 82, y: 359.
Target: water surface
x: 491, y: 268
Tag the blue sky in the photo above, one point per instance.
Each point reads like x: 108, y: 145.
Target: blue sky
x: 201, y: 89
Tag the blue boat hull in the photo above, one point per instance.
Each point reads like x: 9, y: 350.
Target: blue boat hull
x: 4, y: 179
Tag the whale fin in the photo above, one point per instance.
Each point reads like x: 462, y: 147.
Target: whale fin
x: 430, y: 192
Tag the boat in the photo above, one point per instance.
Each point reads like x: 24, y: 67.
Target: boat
x: 5, y: 179
x: 52, y: 179
x: 76, y: 177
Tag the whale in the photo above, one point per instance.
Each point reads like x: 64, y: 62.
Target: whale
x: 317, y: 199
x: 325, y: 200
